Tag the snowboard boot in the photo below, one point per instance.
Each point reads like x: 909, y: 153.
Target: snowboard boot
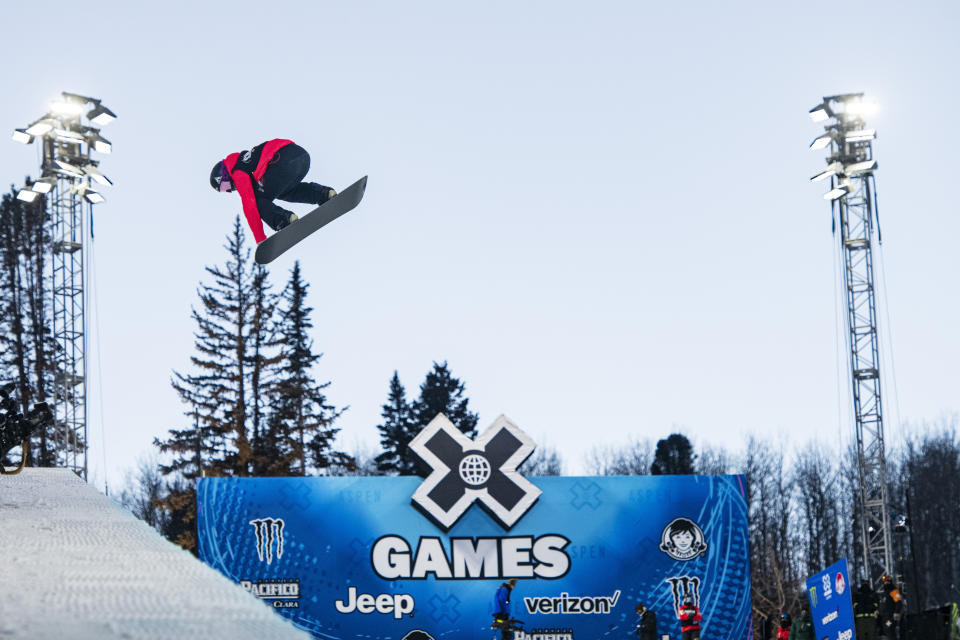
x: 286, y: 223
x: 326, y: 194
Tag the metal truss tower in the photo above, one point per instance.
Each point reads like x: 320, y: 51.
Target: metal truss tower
x: 850, y: 169
x: 68, y: 172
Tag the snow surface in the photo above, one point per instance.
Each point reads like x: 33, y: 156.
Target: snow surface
x: 75, y: 565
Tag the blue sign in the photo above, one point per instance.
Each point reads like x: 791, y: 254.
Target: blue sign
x: 347, y: 557
x: 475, y: 550
x: 831, y: 605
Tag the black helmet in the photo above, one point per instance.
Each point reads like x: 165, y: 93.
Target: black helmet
x: 218, y: 175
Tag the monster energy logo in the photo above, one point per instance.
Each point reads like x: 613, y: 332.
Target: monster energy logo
x: 683, y: 586
x: 268, y: 530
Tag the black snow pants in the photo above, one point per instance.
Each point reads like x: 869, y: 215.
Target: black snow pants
x: 283, y: 180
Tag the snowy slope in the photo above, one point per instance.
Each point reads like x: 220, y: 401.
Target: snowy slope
x: 75, y: 565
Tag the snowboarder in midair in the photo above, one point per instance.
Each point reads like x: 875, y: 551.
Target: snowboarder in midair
x: 273, y: 170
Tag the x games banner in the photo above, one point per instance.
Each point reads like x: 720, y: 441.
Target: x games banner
x: 394, y: 558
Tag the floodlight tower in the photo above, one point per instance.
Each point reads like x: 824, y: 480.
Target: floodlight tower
x: 850, y: 169
x: 68, y: 173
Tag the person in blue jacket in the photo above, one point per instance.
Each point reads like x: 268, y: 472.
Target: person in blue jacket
x: 501, y: 608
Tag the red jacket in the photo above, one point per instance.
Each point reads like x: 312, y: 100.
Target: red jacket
x: 248, y: 168
x: 783, y: 633
x: 689, y: 618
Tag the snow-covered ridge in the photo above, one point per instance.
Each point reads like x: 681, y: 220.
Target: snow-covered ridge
x: 75, y: 565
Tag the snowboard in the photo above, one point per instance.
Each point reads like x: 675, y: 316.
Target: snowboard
x: 274, y: 246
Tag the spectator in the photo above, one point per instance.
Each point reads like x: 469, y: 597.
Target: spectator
x: 802, y: 627
x: 501, y: 608
x: 647, y: 626
x: 891, y: 606
x: 865, y: 608
x: 689, y: 620
x: 783, y: 631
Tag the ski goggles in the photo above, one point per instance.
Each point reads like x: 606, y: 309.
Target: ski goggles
x: 225, y: 183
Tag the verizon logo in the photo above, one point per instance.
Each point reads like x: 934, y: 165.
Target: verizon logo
x: 565, y: 603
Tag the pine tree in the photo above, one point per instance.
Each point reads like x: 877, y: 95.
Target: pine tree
x: 442, y: 393
x: 396, y: 432
x: 263, y: 360
x: 674, y: 456
x: 216, y: 395
x: 301, y: 421
x: 439, y: 393
x: 219, y: 392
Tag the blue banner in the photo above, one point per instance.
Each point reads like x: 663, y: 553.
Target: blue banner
x: 831, y: 604
x: 347, y: 557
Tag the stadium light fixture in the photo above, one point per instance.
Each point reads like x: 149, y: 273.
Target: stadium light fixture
x: 67, y: 107
x: 99, y: 143
x: 97, y: 176
x: 93, y: 197
x: 860, y: 168
x: 860, y: 107
x: 69, y: 169
x: 822, y: 141
x: 21, y: 135
x: 44, y: 185
x: 26, y: 195
x: 100, y: 115
x: 71, y: 137
x: 40, y: 127
x: 820, y: 112
x: 831, y: 170
x: 863, y: 135
x: 836, y: 193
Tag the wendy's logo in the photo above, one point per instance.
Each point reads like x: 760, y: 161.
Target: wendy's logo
x: 683, y: 540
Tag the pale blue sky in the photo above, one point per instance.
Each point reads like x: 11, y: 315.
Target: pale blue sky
x: 598, y: 213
